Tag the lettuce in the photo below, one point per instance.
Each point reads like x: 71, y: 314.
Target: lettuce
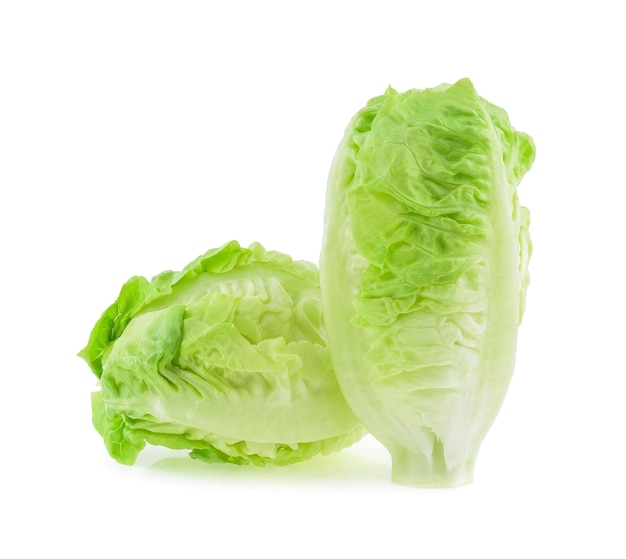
x: 424, y: 273
x: 226, y: 358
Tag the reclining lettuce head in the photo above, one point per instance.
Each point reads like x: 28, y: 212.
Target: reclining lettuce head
x: 226, y: 358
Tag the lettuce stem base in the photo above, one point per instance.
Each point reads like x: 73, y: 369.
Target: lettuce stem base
x: 418, y: 470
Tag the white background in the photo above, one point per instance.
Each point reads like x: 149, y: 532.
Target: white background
x: 136, y: 135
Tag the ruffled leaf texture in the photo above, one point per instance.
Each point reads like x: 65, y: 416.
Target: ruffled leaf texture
x: 226, y: 358
x: 424, y: 273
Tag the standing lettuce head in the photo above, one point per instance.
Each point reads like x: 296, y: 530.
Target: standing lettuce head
x: 226, y: 358
x: 424, y: 273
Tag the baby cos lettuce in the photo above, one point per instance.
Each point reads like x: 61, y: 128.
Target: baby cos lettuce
x: 424, y: 269
x: 424, y: 273
x: 226, y: 358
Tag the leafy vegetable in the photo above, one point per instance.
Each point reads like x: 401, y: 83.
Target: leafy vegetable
x: 227, y: 358
x: 424, y: 273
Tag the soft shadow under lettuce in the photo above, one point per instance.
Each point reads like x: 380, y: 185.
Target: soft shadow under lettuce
x: 353, y: 465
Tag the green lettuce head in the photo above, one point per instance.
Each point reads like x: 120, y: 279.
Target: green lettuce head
x: 424, y: 273
x: 226, y: 358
